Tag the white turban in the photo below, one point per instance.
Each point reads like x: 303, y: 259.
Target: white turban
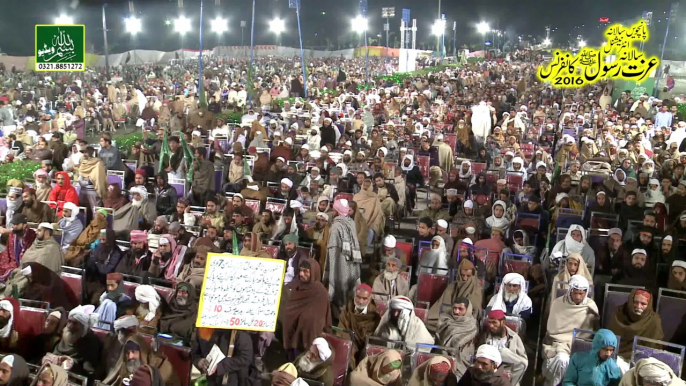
x: 489, y: 352
x: 9, y: 360
x: 442, y: 223
x: 147, y: 294
x: 85, y: 316
x: 578, y: 282
x: 140, y: 190
x: 126, y: 322
x: 679, y: 263
x: 514, y: 278
x: 467, y: 241
x: 6, y: 305
x: 469, y: 204
x: 323, y: 215
x: 384, y: 150
x: 638, y: 250
x: 323, y: 348
x: 655, y: 371
x: 74, y: 210
x: 389, y: 241
x: 401, y: 303
x: 287, y: 182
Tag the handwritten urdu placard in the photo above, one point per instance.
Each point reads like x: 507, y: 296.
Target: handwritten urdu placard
x: 241, y: 293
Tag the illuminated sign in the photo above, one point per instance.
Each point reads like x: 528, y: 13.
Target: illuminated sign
x: 617, y: 58
x: 604, y: 20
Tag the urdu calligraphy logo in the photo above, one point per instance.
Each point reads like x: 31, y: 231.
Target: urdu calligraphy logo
x: 617, y: 58
x: 60, y: 47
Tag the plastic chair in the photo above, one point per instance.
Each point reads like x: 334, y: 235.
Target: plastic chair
x: 164, y: 288
x: 34, y: 317
x: 180, y: 359
x: 276, y: 205
x: 430, y: 286
x: 670, y: 354
x: 343, y: 350
x: 511, y: 262
x: 130, y: 285
x: 115, y: 177
x: 375, y: 345
x: 424, y: 352
x: 73, y: 278
x: 179, y: 185
x: 582, y: 344
x: 671, y: 306
x: 406, y: 247
x: 528, y: 220
x: 568, y: 217
x: 273, y: 250
x: 478, y: 167
x: 615, y: 296
x: 254, y: 205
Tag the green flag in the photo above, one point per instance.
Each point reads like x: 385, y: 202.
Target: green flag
x: 165, y: 151
x: 246, y: 167
x: 235, y: 242
x: 188, y: 156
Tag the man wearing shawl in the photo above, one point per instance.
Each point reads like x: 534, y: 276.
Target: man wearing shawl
x: 140, y: 213
x: 457, y: 329
x: 372, y: 205
x: 435, y: 371
x: 79, y: 248
x: 573, y: 310
x: 79, y: 348
x: 574, y: 242
x: 386, y: 193
x: 13, y: 371
x: 69, y: 224
x: 509, y: 344
x: 306, y: 310
x: 485, y: 370
x: 342, y: 271
x: 389, y: 281
x: 114, y: 199
x: 445, y: 153
x: 15, y: 334
x: 44, y: 251
x: 435, y: 210
x: 137, y: 352
x: 360, y: 316
x: 92, y: 174
x: 179, y: 320
x: 167, y: 259
x: 113, y: 302
x: 319, y: 234
x: 136, y: 261
x: 194, y: 272
x: 467, y: 218
x: 63, y: 192
x: 35, y: 210
x: 400, y: 323
x: 650, y: 371
x: 378, y: 370
x: 235, y: 369
x: 677, y: 276
x: 512, y: 297
x: 636, y: 318
x: 467, y: 285
x: 44, y: 285
x: 43, y: 185
x: 150, y: 304
x: 595, y: 367
x: 574, y: 265
x: 52, y: 374
x: 20, y: 239
x: 203, y: 177
x: 316, y: 362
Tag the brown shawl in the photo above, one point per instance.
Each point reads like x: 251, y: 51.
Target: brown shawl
x: 470, y: 289
x: 321, y: 244
x: 255, y: 248
x: 367, y: 200
x: 94, y: 169
x: 115, y: 199
x: 86, y: 237
x: 307, y: 310
x: 363, y: 325
x: 626, y: 324
x: 361, y: 228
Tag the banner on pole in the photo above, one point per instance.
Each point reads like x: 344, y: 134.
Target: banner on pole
x: 293, y: 4
x: 363, y: 7
x: 406, y: 16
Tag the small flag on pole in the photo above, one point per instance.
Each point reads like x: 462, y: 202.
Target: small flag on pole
x: 131, y: 11
x: 180, y: 3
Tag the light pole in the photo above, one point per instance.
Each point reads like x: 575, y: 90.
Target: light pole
x: 483, y: 29
x: 277, y: 26
x: 387, y: 12
x: 438, y: 29
x: 219, y: 26
x: 243, y: 24
x: 64, y: 20
x: 359, y: 25
x: 133, y: 26
x: 182, y: 25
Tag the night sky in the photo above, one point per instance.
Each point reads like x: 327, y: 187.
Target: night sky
x: 521, y: 17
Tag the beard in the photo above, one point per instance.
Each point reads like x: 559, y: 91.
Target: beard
x: 510, y: 296
x: 142, y: 311
x: 638, y: 311
x: 69, y: 337
x: 122, y: 336
x: 390, y: 276
x: 306, y: 365
x: 482, y: 375
x: 132, y: 365
x: 136, y: 203
x: 359, y: 307
x: 4, y: 321
x: 181, y: 301
x: 386, y: 378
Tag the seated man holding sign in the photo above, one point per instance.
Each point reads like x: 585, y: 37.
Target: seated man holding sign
x: 224, y: 353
